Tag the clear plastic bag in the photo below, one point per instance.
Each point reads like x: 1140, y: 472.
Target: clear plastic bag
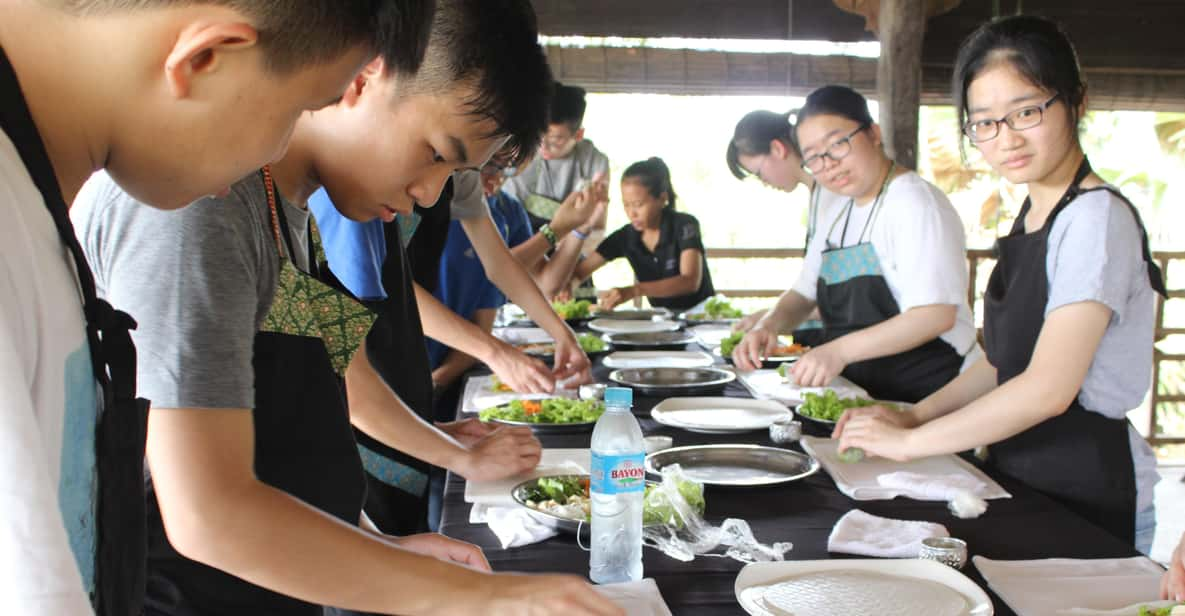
x: 685, y: 533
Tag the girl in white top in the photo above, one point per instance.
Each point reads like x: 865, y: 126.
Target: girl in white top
x: 886, y: 269
x: 1068, y: 312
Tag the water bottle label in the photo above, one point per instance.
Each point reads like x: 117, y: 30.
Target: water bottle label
x: 618, y: 474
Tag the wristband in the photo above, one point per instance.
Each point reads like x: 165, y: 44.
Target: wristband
x: 549, y: 234
x: 577, y: 233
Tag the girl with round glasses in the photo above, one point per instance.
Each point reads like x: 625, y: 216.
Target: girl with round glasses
x: 1069, y: 307
x: 886, y: 269
x: 763, y: 146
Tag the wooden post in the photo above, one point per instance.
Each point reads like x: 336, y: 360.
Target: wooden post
x: 902, y: 24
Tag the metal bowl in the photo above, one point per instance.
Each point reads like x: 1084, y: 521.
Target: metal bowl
x: 549, y: 428
x: 658, y: 341
x: 558, y: 522
x: 673, y: 381
x: 735, y: 465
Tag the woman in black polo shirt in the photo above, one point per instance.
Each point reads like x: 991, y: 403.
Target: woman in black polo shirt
x: 663, y: 246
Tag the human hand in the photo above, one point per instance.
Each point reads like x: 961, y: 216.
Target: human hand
x: 614, y: 297
x: 572, y: 213
x: 521, y: 373
x: 749, y: 322
x: 1172, y: 585
x: 757, y: 344
x: 467, y: 431
x: 544, y: 595
x: 877, y: 434
x: 443, y: 548
x: 505, y: 452
x: 898, y: 418
x: 571, y: 362
x: 818, y: 367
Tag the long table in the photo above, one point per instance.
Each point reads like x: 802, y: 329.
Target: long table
x: 1027, y: 526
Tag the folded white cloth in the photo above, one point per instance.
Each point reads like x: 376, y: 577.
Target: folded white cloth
x: 1130, y: 610
x: 1053, y: 586
x: 862, y: 533
x: 514, y: 526
x: 931, y: 487
x: 639, y: 598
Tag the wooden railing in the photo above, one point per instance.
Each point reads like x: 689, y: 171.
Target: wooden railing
x: 978, y: 257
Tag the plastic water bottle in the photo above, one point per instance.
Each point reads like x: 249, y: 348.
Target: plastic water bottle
x: 617, y: 489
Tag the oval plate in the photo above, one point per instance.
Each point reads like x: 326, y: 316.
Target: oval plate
x: 717, y: 415
x: 735, y: 465
x: 675, y: 340
x: 673, y: 381
x: 631, y: 326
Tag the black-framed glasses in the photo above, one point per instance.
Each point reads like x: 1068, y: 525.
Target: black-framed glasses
x: 836, y: 151
x: 1017, y: 119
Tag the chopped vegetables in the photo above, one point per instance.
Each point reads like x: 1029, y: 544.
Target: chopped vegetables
x: 730, y: 343
x: 497, y: 385
x: 829, y: 406
x: 591, y: 343
x: 575, y: 309
x: 568, y: 497
x: 550, y: 411
x: 716, y: 308
x: 1157, y: 611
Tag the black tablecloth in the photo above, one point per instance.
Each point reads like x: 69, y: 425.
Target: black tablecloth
x: 1026, y: 526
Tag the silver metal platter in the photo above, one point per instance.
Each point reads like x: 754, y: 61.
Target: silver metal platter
x: 635, y: 315
x: 552, y: 520
x: 550, y: 428
x: 651, y: 340
x: 673, y: 381
x: 735, y: 465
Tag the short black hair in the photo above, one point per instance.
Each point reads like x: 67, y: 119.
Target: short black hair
x: 567, y: 106
x: 838, y: 101
x: 754, y: 133
x: 1038, y: 48
x: 494, y: 45
x: 654, y: 174
x: 294, y: 34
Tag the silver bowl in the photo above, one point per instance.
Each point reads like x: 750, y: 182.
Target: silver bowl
x: 673, y: 381
x: 735, y: 465
x: 676, y: 340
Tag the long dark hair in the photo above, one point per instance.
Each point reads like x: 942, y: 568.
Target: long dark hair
x: 655, y: 176
x: 754, y: 133
x: 1036, y: 47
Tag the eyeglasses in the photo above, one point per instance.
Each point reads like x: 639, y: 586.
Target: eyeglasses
x: 1017, y: 119
x: 836, y: 151
x: 497, y: 168
x: 557, y: 143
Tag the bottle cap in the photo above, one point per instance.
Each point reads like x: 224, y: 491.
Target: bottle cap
x: 619, y: 396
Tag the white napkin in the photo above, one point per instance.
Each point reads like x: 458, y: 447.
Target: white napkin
x: 931, y: 487
x: 639, y: 598
x: 514, y: 526
x: 1052, y: 586
x: 862, y: 533
x: 523, y: 335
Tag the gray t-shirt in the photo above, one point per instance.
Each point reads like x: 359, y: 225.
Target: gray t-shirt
x: 556, y: 179
x: 1095, y: 253
x: 199, y: 282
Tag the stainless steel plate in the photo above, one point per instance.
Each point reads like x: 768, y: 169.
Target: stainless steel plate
x: 735, y: 465
x: 550, y: 428
x: 673, y: 381
x: 558, y: 522
x: 651, y: 340
x: 635, y: 315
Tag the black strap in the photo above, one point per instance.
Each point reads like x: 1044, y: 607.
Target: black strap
x: 285, y: 231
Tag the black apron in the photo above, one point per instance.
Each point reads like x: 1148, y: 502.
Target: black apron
x: 120, y: 434
x: 810, y: 332
x: 304, y: 444
x: 852, y: 295
x: 1080, y: 458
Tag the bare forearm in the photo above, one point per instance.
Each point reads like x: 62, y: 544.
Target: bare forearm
x: 454, y: 365
x: 791, y: 310
x: 1009, y: 409
x: 560, y: 268
x: 375, y: 410
x: 974, y: 382
x: 532, y: 251
x: 670, y: 287
x: 903, y: 332
x: 448, y: 328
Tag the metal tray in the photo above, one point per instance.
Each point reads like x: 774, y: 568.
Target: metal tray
x: 651, y: 340
x: 560, y: 523
x: 735, y: 465
x: 550, y: 428
x: 635, y: 315
x: 673, y: 381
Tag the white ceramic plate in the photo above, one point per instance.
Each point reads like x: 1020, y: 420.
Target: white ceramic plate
x: 718, y: 415
x: 523, y: 335
x: 755, y: 577
x: 627, y: 326
x: 710, y: 336
x: 658, y: 359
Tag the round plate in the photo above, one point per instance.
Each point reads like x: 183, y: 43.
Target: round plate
x: 658, y: 359
x: 673, y: 381
x: 735, y: 465
x: 643, y: 314
x: 631, y: 326
x: 550, y: 428
x: 717, y: 415
x: 676, y: 340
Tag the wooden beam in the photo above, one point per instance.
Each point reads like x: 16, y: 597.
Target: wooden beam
x: 899, y: 77
x: 664, y: 71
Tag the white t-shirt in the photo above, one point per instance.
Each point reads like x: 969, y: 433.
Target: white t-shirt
x: 48, y: 411
x: 919, y: 239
